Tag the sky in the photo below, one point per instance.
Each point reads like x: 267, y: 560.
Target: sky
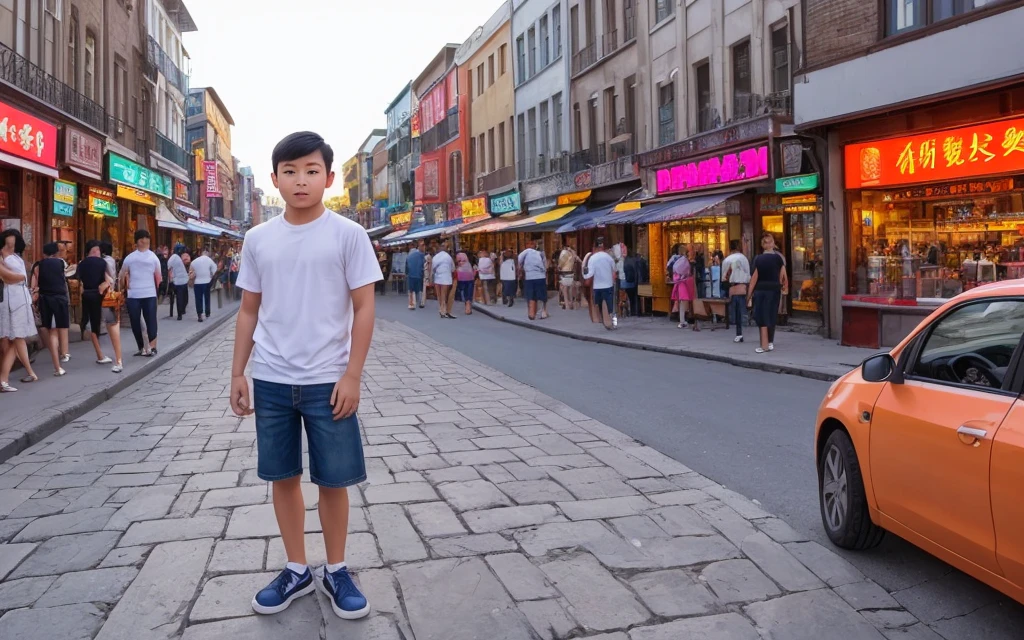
x: 330, y: 66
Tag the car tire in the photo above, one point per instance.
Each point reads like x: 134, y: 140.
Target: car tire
x: 841, y: 495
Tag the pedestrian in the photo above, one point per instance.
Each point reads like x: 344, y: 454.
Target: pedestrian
x: 630, y: 281
x: 162, y: 253
x: 49, y: 285
x: 716, y: 274
x: 201, y: 272
x: 92, y: 273
x: 443, y: 267
x: 683, y: 288
x: 140, y: 277
x: 414, y: 264
x: 768, y: 283
x: 177, y: 271
x: 601, y: 273
x: 534, y: 269
x: 485, y: 267
x: 736, y: 271
x: 509, y: 284
x: 309, y: 344
x: 567, y: 260
x: 465, y: 272
x: 112, y: 306
x: 17, y: 322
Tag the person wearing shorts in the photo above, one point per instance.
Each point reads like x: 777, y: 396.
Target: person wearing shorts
x: 485, y: 268
x: 465, y: 274
x: 535, y: 287
x: 567, y: 260
x: 306, y: 318
x: 92, y: 273
x: 54, y: 305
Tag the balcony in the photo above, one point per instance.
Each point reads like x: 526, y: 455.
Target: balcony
x: 171, y: 151
x: 588, y: 158
x: 584, y: 58
x: 158, y: 62
x: 751, y: 105
x: 496, y: 179
x: 440, y: 134
x: 559, y: 164
x: 610, y: 43
x: 603, y: 47
x: 33, y: 80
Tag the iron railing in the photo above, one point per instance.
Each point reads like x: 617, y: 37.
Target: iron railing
x: 752, y: 105
x: 559, y: 163
x: 593, y: 156
x: 611, y: 43
x: 440, y: 134
x: 585, y: 58
x: 157, y: 61
x: 20, y: 72
x: 171, y: 151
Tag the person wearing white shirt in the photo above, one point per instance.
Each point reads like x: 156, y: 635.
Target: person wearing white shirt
x: 736, y: 271
x: 178, y: 274
x: 202, y: 271
x: 140, y: 273
x: 601, y: 269
x: 535, y: 276
x: 443, y: 267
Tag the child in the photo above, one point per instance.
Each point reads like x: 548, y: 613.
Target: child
x: 307, y: 318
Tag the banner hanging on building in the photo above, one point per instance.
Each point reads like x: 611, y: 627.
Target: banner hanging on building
x: 212, y: 179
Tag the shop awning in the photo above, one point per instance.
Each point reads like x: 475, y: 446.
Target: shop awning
x: 377, y: 232
x: 204, y: 228
x: 231, y: 233
x: 28, y: 164
x: 682, y: 208
x: 393, y: 238
x: 541, y: 218
x: 167, y: 220
x: 496, y: 225
x: 587, y: 220
x: 430, y: 231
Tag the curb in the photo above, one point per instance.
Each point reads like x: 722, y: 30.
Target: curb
x: 784, y: 369
x: 58, y: 417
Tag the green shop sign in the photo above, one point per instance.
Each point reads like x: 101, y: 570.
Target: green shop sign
x: 131, y: 174
x: 505, y: 203
x: 65, y: 195
x: 797, y: 184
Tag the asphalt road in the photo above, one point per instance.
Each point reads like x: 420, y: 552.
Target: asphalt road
x: 749, y: 430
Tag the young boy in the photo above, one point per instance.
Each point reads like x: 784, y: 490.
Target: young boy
x: 307, y: 318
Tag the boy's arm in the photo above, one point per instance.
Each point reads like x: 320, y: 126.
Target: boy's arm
x: 245, y: 327
x: 345, y: 398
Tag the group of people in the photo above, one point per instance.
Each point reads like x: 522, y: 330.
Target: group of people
x: 179, y: 271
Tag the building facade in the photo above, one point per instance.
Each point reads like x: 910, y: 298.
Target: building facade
x: 209, y: 138
x: 440, y: 175
x: 398, y: 143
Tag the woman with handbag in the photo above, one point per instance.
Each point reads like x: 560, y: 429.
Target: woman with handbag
x: 96, y: 285
x: 16, y: 319
x: 113, y: 300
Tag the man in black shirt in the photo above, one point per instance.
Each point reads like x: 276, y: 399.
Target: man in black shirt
x: 54, y: 310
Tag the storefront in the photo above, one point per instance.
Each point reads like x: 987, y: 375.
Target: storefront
x: 102, y: 219
x: 138, y: 188
x: 81, y: 168
x: 928, y: 216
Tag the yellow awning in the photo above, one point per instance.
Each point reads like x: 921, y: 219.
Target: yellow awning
x: 135, y: 195
x: 554, y: 214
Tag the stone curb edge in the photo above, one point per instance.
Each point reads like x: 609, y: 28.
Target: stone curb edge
x: 58, y: 417
x: 736, y: 362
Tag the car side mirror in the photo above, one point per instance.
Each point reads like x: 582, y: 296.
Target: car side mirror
x: 880, y: 368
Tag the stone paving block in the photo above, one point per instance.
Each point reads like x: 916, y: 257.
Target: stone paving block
x: 681, y: 521
x: 684, y: 497
x: 475, y: 604
x: 361, y: 551
x: 72, y: 622
x: 779, y: 564
x: 302, y: 620
x: 238, y: 555
x: 259, y: 521
x: 435, y: 519
x: 97, y: 585
x: 502, y: 518
x: 15, y: 594
x: 495, y: 473
x: 238, y: 497
x: 228, y: 596
x: 657, y: 460
x: 723, y: 518
x: 567, y: 477
x: 605, y: 507
x: 371, y: 628
x: 401, y: 463
x: 59, y: 482
x: 139, y: 467
x: 165, y: 586
x: 919, y: 631
x: 473, y: 494
x: 452, y: 445
x: 421, y: 449
x: 524, y: 472
x: 651, y: 486
x: 827, y: 565
x: 452, y: 474
x: 396, y: 536
x: 535, y: 491
x: 399, y: 492
x: 500, y: 442
x: 185, y: 505
x: 214, y: 480
x: 471, y: 545
x: 521, y: 577
x: 476, y: 458
x: 409, y: 476
x: 866, y: 595
x: 126, y: 556
x: 548, y: 618
x: 883, y: 619
x: 127, y: 479
x: 81, y: 522
x: 627, y: 465
x: 58, y: 555
x: 578, y: 461
x: 802, y: 616
x: 171, y: 529
x: 738, y: 581
x: 527, y: 453
x: 779, y: 531
x: 739, y: 503
x: 37, y: 507
x: 191, y: 467
x: 10, y: 527
x: 727, y: 626
x: 149, y: 503
x: 383, y: 450
x: 601, y: 489
x: 598, y: 601
x: 554, y: 444
x: 638, y: 529
x: 673, y: 593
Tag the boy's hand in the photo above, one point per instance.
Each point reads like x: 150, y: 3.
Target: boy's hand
x: 345, y: 398
x: 240, y: 396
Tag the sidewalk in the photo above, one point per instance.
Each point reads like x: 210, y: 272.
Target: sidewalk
x: 40, y: 408
x: 514, y: 518
x: 795, y: 353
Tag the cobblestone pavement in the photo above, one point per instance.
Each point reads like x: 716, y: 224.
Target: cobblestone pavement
x: 491, y: 511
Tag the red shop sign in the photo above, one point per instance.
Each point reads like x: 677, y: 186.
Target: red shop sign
x: 27, y: 137
x: 950, y: 154
x: 181, y: 191
x: 727, y: 168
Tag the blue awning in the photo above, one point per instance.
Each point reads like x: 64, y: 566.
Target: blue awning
x: 682, y: 208
x: 586, y: 220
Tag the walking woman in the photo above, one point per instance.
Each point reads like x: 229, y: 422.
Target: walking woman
x: 768, y: 283
x: 466, y: 274
x: 111, y: 316
x: 683, y: 287
x: 485, y: 267
x: 92, y: 273
x: 17, y: 322
x: 443, y: 267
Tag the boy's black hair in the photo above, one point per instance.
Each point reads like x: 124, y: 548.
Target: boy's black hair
x: 19, y: 241
x: 89, y: 245
x: 50, y: 249
x: 140, y: 234
x: 735, y: 245
x: 300, y: 144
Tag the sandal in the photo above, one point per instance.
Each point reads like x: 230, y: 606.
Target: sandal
x: 59, y: 372
x: 30, y: 379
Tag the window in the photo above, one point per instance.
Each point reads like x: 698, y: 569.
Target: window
x: 592, y: 125
x: 531, y: 141
x: 556, y: 24
x: 491, y: 160
x: 574, y: 29
x: 556, y: 106
x: 780, y: 58
x: 590, y: 22
x: 90, y: 65
x: 473, y: 171
x: 120, y: 89
x: 482, y: 146
x: 455, y: 185
x: 973, y: 344
x: 521, y: 59
x: 531, y: 40
x: 609, y: 21
x: 521, y: 145
x: 628, y: 20
x: 666, y: 113
x: 490, y: 70
x: 545, y: 136
x: 904, y: 15
x: 742, y: 106
x: 52, y: 15
x: 706, y: 116
x: 73, y: 53
x: 21, y: 32
x: 480, y: 79
x: 545, y: 42
x: 502, y: 158
x: 610, y: 114
x: 663, y: 9
x: 502, y: 58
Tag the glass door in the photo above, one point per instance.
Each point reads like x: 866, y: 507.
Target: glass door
x: 806, y: 262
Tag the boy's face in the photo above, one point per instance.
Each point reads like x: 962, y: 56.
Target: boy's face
x: 302, y: 182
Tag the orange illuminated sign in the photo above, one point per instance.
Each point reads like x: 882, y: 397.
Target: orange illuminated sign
x: 967, y: 152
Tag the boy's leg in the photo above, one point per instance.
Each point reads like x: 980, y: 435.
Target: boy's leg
x: 290, y: 509
x: 334, y: 508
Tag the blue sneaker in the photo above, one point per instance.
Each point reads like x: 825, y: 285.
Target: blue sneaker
x: 346, y: 599
x: 277, y: 595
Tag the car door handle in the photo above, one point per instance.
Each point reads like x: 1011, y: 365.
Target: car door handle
x: 970, y: 436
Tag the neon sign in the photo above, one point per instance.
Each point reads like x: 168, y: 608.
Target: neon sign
x: 727, y: 168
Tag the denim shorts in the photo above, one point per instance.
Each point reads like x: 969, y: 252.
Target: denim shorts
x: 537, y: 290
x: 464, y: 291
x: 415, y: 284
x: 335, y: 447
x: 605, y: 295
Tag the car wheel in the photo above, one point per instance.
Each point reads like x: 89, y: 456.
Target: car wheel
x: 844, y: 505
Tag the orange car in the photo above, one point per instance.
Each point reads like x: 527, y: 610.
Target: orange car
x: 927, y: 441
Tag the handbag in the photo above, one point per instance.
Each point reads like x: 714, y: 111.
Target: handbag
x: 112, y: 299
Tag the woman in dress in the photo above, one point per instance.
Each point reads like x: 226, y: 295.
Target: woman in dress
x: 16, y: 319
x: 768, y: 283
x: 683, y: 287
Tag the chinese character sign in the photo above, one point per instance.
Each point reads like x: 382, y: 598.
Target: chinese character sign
x: 950, y: 154
x: 125, y: 172
x: 739, y: 166
x: 212, y: 179
x: 65, y: 194
x: 505, y: 203
x: 27, y: 137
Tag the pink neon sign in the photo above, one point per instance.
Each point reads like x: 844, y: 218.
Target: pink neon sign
x: 748, y: 164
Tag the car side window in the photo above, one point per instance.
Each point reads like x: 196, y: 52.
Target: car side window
x: 973, y: 345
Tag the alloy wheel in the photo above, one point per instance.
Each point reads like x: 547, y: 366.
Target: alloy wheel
x: 834, y: 489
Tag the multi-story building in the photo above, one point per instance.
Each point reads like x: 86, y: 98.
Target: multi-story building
x: 917, y: 110
x: 364, y: 175
x: 243, y: 204
x: 167, y: 71
x: 440, y: 175
x: 209, y: 138
x: 400, y: 151
x: 379, y: 179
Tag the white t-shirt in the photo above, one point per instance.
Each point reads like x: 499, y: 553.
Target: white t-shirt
x: 740, y: 268
x: 508, y: 269
x: 204, y: 268
x: 305, y: 274
x: 442, y: 266
x: 141, y: 266
x: 533, y: 264
x: 176, y: 267
x: 601, y: 267
x: 486, y: 267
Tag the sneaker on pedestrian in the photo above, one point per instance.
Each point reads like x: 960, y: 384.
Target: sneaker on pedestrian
x: 117, y: 368
x: 66, y: 357
x: 760, y: 350
x: 738, y: 339
x: 771, y: 346
x: 346, y: 599
x: 286, y: 587
x: 104, y: 360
